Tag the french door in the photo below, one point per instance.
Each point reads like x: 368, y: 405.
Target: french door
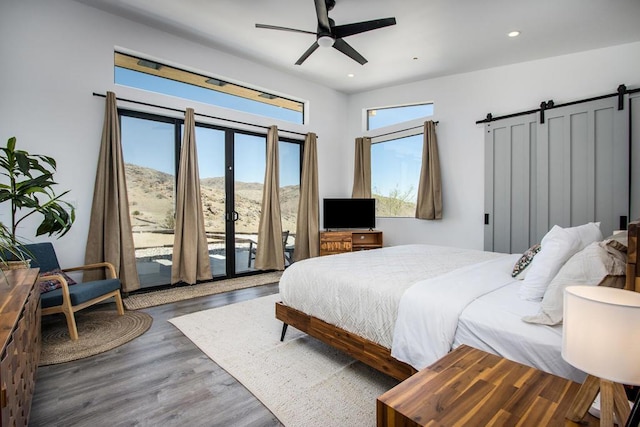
x: 231, y: 166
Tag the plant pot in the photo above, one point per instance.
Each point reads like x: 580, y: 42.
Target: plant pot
x: 15, y: 265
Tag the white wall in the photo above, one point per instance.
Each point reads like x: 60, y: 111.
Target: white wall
x: 56, y: 53
x: 461, y: 100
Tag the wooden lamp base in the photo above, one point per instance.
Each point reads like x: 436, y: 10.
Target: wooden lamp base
x: 613, y: 399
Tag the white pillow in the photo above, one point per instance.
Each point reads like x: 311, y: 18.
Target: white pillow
x: 557, y: 246
x: 591, y: 266
x: 561, y: 244
x: 587, y: 233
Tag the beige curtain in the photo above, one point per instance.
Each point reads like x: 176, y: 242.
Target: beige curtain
x: 190, y: 251
x: 307, y: 226
x: 110, y: 238
x: 270, y: 253
x: 429, y: 205
x: 362, y: 169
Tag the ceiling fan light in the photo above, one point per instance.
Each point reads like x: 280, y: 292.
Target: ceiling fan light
x: 326, y: 41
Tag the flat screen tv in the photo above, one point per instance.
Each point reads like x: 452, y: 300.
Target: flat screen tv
x: 349, y: 213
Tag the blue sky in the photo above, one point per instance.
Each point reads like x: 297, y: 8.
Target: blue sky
x: 165, y: 86
x: 151, y: 144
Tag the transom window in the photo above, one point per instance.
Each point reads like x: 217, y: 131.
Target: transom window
x: 387, y: 116
x: 153, y: 76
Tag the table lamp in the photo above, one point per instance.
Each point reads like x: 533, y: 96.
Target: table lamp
x: 601, y: 336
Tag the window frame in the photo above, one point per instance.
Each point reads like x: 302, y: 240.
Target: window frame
x: 367, y: 113
x: 198, y: 79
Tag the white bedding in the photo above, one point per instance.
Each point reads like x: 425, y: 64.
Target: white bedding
x: 360, y: 291
x: 493, y: 323
x: 429, y: 310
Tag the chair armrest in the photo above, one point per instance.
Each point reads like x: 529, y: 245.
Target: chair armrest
x: 110, y: 268
x: 63, y: 282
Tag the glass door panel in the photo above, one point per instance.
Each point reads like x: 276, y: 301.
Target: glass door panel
x: 148, y: 149
x: 250, y: 163
x: 289, y: 161
x: 211, y: 165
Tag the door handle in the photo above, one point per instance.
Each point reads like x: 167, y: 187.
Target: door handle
x: 235, y: 216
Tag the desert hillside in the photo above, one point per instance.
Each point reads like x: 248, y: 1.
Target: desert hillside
x: 151, y: 194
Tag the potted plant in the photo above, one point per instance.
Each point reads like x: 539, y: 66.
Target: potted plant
x: 30, y: 191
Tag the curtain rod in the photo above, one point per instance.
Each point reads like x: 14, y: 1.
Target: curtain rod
x: 401, y: 130
x: 622, y: 90
x: 197, y: 114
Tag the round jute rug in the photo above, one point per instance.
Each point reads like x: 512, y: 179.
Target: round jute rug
x: 99, y: 330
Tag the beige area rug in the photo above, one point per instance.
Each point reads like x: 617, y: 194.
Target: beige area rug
x: 302, y: 381
x: 180, y: 293
x: 99, y: 330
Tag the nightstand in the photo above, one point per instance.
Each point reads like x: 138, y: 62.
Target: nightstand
x: 469, y: 387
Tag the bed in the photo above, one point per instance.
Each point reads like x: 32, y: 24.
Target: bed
x: 398, y: 308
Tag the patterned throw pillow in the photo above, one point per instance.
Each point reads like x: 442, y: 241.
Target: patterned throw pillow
x: 52, y: 284
x: 524, y: 261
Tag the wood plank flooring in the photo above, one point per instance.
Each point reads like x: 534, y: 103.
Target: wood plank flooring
x: 158, y: 379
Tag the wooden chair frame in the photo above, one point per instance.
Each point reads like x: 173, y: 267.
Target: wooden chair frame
x: 68, y: 309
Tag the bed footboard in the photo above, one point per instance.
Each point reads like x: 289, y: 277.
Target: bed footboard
x: 362, y: 349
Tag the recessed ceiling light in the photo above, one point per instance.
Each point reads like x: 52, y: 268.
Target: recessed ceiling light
x: 514, y: 34
x: 351, y: 75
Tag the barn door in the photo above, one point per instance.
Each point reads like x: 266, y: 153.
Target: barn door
x: 634, y: 114
x: 583, y: 158
x: 510, y: 168
x: 571, y: 169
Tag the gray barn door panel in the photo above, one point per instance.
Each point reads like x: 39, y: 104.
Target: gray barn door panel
x: 576, y: 172
x: 508, y: 147
x: 634, y: 106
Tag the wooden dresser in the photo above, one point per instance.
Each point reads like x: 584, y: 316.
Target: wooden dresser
x: 337, y: 242
x: 21, y: 341
x: 469, y: 387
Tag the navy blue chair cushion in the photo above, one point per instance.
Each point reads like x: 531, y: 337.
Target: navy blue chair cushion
x: 80, y: 293
x: 42, y: 255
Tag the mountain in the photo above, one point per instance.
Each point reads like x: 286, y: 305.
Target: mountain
x: 151, y: 204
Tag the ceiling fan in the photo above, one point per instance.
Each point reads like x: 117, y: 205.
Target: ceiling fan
x: 329, y: 34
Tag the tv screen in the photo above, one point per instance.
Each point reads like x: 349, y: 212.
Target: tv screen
x: 349, y: 213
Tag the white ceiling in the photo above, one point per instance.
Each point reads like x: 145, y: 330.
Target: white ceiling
x: 446, y: 36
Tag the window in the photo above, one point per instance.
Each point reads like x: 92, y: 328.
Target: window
x: 381, y: 117
x: 156, y: 77
x: 395, y: 172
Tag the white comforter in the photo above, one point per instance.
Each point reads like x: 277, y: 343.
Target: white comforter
x: 429, y: 310
x: 360, y: 291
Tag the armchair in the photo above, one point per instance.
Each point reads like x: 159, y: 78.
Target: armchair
x: 69, y: 299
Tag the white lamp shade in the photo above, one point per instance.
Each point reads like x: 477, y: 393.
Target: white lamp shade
x: 601, y: 332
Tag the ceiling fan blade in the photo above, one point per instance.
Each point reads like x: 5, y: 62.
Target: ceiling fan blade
x: 345, y: 48
x: 340, y: 31
x: 275, y: 27
x: 309, y: 51
x: 324, y: 28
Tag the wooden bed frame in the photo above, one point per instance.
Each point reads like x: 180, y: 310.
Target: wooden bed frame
x: 379, y: 357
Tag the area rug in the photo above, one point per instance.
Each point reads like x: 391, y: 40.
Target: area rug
x: 180, y: 293
x: 302, y: 381
x: 99, y: 330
